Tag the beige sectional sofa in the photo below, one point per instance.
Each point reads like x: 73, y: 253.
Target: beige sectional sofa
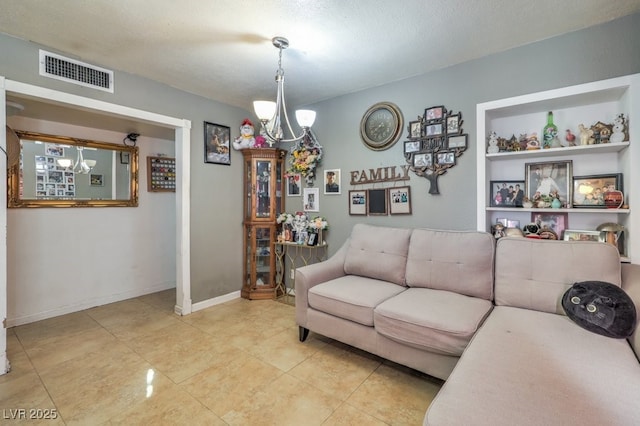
x: 485, y: 317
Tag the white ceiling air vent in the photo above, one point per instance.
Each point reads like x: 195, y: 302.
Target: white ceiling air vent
x: 72, y: 71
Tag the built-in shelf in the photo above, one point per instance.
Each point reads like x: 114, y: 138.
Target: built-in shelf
x: 553, y: 152
x: 550, y: 210
x: 583, y: 104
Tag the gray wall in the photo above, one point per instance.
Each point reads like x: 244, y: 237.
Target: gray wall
x: 216, y: 191
x: 600, y: 52
x: 597, y: 53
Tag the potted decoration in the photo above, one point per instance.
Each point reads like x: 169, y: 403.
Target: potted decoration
x: 316, y: 226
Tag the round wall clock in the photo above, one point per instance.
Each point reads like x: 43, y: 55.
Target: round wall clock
x: 381, y: 126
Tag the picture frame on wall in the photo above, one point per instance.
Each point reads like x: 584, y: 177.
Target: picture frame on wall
x: 217, y: 143
x: 411, y: 146
x: 294, y: 185
x: 543, y: 179
x: 400, y: 200
x: 415, y: 130
x: 434, y: 113
x: 588, y: 191
x: 453, y: 124
x: 377, y: 202
x: 311, y: 199
x: 459, y: 141
x: 358, y: 203
x: 332, y: 182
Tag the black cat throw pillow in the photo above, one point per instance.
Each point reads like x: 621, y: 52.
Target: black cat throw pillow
x: 600, y: 307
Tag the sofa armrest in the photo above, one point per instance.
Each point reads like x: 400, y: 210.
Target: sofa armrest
x: 631, y: 284
x: 314, y: 274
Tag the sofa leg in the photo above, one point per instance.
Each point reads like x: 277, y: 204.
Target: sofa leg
x: 304, y: 333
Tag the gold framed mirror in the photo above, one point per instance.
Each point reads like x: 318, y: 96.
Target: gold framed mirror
x: 60, y: 171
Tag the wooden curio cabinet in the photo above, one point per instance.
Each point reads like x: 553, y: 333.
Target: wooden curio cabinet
x: 263, y: 202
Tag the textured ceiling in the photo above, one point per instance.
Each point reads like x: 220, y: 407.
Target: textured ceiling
x: 221, y: 49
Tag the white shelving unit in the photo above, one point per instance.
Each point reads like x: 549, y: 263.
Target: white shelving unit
x: 582, y: 104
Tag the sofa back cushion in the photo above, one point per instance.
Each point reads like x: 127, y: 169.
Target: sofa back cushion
x: 534, y: 274
x: 458, y: 261
x: 378, y: 252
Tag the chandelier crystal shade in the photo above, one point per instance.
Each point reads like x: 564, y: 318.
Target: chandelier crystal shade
x: 271, y: 113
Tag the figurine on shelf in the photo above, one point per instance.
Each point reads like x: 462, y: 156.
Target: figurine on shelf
x: 493, y: 143
x: 246, y: 138
x: 570, y: 138
x: 586, y: 135
x: 532, y: 142
x: 618, y: 134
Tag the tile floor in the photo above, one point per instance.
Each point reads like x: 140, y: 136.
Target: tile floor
x: 238, y: 363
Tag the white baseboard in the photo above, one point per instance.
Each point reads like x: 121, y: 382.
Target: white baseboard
x: 86, y: 304
x: 215, y: 301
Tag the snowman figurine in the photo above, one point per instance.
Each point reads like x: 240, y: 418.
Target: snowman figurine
x: 493, y: 143
x: 618, y: 129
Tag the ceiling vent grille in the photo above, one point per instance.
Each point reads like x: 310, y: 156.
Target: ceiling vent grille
x: 71, y: 71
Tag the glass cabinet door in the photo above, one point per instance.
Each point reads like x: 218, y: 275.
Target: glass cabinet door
x: 263, y: 189
x: 263, y: 257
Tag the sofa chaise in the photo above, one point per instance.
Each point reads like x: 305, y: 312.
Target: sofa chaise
x: 485, y: 317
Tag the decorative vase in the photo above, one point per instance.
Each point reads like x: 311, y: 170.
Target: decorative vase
x: 320, y: 237
x: 613, y: 199
x: 556, y: 203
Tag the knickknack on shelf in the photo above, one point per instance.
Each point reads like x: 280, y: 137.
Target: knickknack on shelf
x: 435, y: 142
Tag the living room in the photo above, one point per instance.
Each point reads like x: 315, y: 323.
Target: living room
x: 75, y: 268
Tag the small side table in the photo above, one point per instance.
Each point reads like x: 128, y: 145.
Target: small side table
x: 296, y: 253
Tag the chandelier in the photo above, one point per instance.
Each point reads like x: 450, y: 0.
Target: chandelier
x: 270, y: 113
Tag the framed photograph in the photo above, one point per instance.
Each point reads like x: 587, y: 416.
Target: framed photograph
x: 434, y: 113
x: 513, y: 223
x: 422, y: 160
x: 97, y: 180
x: 411, y: 146
x: 332, y: 182
x: 506, y: 193
x: 377, y: 202
x: 311, y: 199
x: 294, y: 182
x: 400, y: 200
x: 544, y: 179
x: 53, y: 150
x: 357, y: 203
x: 217, y: 141
x: 453, y: 124
x: 557, y: 222
x: 459, y: 141
x: 434, y: 130
x: 573, y: 235
x: 415, y: 130
x: 588, y: 191
x: 446, y: 158
x: 125, y: 157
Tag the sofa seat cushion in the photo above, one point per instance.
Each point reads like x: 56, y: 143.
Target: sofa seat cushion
x: 435, y: 320
x: 378, y: 252
x: 545, y: 369
x: 352, y: 297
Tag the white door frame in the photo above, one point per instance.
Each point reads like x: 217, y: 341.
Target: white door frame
x: 182, y: 130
